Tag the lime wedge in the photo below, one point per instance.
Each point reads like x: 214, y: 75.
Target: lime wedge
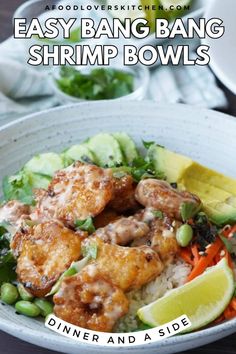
x: 202, y: 300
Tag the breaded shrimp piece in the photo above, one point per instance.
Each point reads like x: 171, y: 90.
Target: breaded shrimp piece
x: 162, y: 238
x: 123, y: 195
x: 75, y: 193
x: 43, y: 253
x: 106, y: 217
x: 122, y: 231
x: 14, y: 212
x: 90, y: 301
x: 161, y: 196
x: 127, y: 268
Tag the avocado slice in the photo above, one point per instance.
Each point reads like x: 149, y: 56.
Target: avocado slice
x: 171, y: 164
x: 217, y: 192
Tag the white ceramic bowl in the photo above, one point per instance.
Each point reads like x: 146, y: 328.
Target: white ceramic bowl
x: 204, y: 135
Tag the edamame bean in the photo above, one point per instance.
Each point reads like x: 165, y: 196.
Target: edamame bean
x: 27, y: 308
x: 45, y: 306
x: 9, y: 293
x: 184, y: 235
x: 24, y: 294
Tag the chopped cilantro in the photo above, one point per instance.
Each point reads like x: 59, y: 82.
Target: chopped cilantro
x: 158, y: 214
x: 99, y: 84
x: 142, y: 169
x: 7, y: 261
x: 18, y: 187
x: 90, y: 250
x: 147, y: 144
x: 188, y: 210
x: 85, y: 225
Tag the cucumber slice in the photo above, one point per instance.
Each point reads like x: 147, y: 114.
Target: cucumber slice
x: 127, y: 146
x: 79, y: 153
x: 106, y: 150
x: 46, y: 164
x: 38, y: 180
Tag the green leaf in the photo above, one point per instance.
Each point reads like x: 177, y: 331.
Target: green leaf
x: 7, y: 273
x: 147, y: 144
x: 158, y: 214
x: 7, y: 261
x: 188, y: 210
x: 18, y: 187
x: 90, y: 249
x: 85, y: 225
x: 142, y: 169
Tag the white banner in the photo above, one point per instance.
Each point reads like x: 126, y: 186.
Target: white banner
x: 117, y: 339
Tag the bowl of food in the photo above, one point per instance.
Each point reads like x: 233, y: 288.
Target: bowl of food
x: 74, y: 84
x: 116, y: 219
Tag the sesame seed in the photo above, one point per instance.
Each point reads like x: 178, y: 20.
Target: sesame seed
x: 222, y: 253
x: 174, y: 223
x: 201, y: 253
x: 208, y: 246
x: 231, y: 235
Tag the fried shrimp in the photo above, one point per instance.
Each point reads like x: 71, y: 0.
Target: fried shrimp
x: 90, y: 301
x: 14, y: 212
x: 75, y: 193
x: 162, y: 238
x: 43, y: 253
x: 123, y: 195
x: 128, y: 268
x: 122, y: 231
x: 161, y: 196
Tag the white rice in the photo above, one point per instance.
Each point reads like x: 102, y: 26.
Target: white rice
x: 172, y: 277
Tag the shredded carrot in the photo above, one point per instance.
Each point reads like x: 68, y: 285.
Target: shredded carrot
x: 229, y: 231
x: 185, y: 253
x: 195, y: 253
x: 220, y: 319
x: 228, y: 313
x: 233, y: 304
x: 206, y: 260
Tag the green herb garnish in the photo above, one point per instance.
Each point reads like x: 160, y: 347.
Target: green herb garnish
x: 85, y: 225
x: 142, y: 169
x: 158, y: 214
x: 90, y: 250
x: 7, y: 261
x: 18, y: 187
x: 99, y: 84
x: 147, y: 144
x: 188, y: 210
